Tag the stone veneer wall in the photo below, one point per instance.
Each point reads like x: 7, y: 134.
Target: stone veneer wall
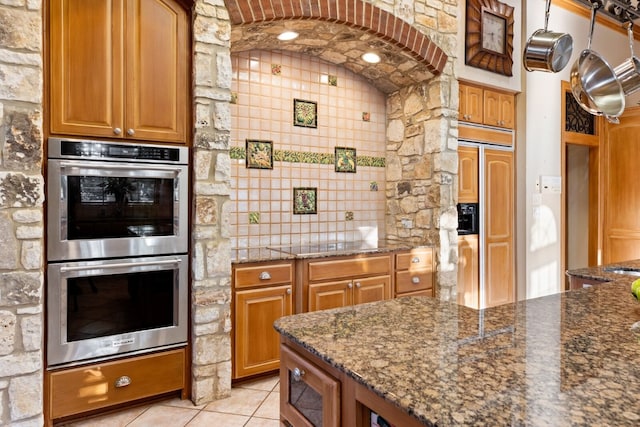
x: 21, y: 214
x: 421, y: 184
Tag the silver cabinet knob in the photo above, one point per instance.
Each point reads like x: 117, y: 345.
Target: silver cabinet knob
x: 288, y: 291
x: 123, y: 381
x: 131, y: 132
x: 415, y: 260
x: 117, y: 131
x: 298, y: 374
x: 265, y: 275
x: 415, y: 280
x: 350, y: 285
x: 358, y: 284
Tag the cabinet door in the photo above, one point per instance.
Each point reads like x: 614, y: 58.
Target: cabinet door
x: 468, y: 271
x: 499, y: 208
x: 470, y: 104
x: 309, y: 396
x: 86, y: 60
x: 498, y: 109
x: 371, y: 289
x: 157, y: 70
x: 468, y: 175
x: 256, y: 342
x: 327, y: 295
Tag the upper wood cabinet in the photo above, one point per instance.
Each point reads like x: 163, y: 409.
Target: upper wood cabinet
x: 486, y: 106
x: 119, y: 68
x: 468, y: 174
x: 470, y: 103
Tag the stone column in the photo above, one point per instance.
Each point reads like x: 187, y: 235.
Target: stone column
x: 211, y: 275
x: 21, y: 214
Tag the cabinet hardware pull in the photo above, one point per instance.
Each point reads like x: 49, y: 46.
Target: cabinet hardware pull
x: 358, y: 284
x: 117, y: 131
x: 350, y: 285
x: 265, y: 275
x: 415, y: 280
x: 298, y: 374
x: 415, y: 260
x: 123, y: 381
x: 131, y: 132
x: 288, y: 291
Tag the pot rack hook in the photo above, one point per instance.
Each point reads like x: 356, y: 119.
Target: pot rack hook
x: 596, y: 4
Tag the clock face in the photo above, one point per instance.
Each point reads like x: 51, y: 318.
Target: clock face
x: 493, y: 32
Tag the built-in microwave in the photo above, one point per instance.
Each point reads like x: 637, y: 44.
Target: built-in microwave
x: 468, y: 218
x: 110, y: 199
x: 105, y: 308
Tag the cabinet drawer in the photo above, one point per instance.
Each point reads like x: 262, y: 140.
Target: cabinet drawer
x: 91, y: 387
x: 348, y: 268
x: 417, y: 259
x: 258, y: 275
x: 408, y: 281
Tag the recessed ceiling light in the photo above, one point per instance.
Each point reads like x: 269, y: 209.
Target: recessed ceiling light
x: 287, y: 35
x: 371, y: 58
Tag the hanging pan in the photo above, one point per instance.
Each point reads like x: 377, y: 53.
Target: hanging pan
x: 629, y: 71
x: 546, y: 50
x: 594, y: 83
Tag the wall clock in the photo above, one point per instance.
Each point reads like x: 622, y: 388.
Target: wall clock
x: 489, y: 36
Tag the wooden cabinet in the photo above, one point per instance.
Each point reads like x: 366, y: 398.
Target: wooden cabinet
x: 468, y: 175
x: 309, y: 396
x: 471, y: 103
x: 86, y: 388
x: 119, y: 69
x: 499, y: 222
x: 486, y: 106
x: 415, y: 272
x: 342, y: 281
x: 262, y: 293
x: 468, y: 271
x: 498, y: 109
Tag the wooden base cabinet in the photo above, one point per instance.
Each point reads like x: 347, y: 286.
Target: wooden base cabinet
x: 414, y: 273
x: 342, y: 281
x: 73, y: 391
x: 262, y: 293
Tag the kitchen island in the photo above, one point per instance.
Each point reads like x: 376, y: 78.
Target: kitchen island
x: 567, y: 359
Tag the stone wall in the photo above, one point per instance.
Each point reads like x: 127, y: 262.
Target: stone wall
x: 21, y: 213
x: 422, y: 131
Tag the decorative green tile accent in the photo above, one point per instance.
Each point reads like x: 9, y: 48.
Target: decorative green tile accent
x: 348, y: 216
x: 289, y: 156
x: 373, y: 186
x: 254, y: 217
x: 333, y: 80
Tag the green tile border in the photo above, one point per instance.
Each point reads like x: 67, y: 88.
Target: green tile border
x: 239, y: 153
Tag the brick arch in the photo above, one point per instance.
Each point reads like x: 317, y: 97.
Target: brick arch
x: 354, y: 13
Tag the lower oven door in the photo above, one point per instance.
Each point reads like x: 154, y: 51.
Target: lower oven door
x: 97, y: 309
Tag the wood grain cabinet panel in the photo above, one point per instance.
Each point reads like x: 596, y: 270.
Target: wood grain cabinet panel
x: 119, y: 69
x: 468, y: 271
x: 262, y: 293
x: 468, y: 175
x: 471, y: 103
x: 498, y: 109
x: 86, y: 388
x: 499, y: 222
x: 415, y: 272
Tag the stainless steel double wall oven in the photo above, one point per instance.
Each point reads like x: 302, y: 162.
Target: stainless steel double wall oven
x: 117, y: 241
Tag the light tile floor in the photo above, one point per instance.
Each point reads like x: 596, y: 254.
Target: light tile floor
x: 252, y: 404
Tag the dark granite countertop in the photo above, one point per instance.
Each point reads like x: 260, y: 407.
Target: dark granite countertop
x: 601, y: 273
x: 316, y: 250
x: 567, y: 359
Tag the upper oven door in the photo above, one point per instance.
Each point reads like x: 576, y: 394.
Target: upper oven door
x: 109, y: 209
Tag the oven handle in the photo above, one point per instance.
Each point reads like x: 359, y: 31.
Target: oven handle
x: 80, y: 165
x: 65, y: 269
